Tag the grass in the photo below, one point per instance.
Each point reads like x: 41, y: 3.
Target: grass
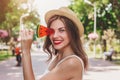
x: 116, y: 59
x: 5, y: 55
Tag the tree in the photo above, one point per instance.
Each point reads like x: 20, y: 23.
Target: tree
x: 116, y: 7
x: 10, y: 19
x: 3, y: 9
x: 106, y: 17
x: 82, y: 11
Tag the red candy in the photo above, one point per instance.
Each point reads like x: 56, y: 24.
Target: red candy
x: 44, y: 31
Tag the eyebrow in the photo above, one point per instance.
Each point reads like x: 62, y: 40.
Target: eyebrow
x: 59, y: 28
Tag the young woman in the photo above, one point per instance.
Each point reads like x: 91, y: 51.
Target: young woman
x: 64, y: 43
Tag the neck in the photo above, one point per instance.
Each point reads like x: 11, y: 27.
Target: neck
x: 63, y: 54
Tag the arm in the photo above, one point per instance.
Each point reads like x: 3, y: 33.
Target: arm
x: 27, y: 66
x: 26, y: 41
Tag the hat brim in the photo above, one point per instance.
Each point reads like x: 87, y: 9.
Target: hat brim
x: 74, y: 18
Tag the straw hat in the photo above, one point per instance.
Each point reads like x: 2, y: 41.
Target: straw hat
x: 64, y: 11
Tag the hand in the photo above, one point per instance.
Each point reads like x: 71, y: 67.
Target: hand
x: 26, y: 39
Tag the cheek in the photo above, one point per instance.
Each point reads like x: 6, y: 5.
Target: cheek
x: 66, y: 38
x: 50, y: 37
x: 66, y: 35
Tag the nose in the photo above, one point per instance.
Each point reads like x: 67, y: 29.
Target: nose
x: 55, y: 34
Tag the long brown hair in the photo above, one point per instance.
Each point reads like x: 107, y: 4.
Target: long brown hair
x: 74, y: 36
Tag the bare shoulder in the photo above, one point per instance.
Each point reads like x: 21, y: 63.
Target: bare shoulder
x: 72, y: 63
x: 68, y: 69
x: 72, y: 66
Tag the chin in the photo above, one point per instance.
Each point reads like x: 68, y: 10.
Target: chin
x: 57, y: 47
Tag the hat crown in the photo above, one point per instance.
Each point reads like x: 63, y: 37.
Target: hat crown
x: 65, y: 11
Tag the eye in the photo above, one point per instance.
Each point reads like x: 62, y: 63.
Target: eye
x: 50, y: 31
x: 62, y: 30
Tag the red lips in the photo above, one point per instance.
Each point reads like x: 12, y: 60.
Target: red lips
x: 56, y: 42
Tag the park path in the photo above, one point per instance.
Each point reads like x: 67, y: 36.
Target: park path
x: 98, y: 68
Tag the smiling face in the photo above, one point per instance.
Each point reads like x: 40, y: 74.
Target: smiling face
x: 59, y: 38
x: 64, y: 39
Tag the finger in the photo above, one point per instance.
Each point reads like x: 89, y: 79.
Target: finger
x: 26, y: 34
x: 31, y: 33
x: 21, y: 34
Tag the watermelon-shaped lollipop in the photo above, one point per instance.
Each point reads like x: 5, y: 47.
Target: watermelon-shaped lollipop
x: 43, y: 31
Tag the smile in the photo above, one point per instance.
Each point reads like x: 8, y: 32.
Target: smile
x: 56, y: 42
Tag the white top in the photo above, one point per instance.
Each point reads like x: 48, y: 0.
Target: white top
x: 47, y: 70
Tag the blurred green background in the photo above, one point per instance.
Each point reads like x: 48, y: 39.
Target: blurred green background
x: 12, y: 16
